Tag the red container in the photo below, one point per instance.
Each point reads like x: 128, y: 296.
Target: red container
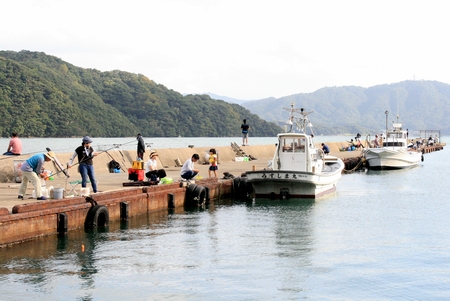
x: 135, y: 174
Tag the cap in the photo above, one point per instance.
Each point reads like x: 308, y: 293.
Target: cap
x: 153, y: 154
x: 50, y: 155
x: 87, y: 139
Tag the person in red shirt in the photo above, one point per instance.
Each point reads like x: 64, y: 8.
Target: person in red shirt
x: 15, y: 146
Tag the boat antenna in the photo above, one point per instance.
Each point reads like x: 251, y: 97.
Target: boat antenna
x: 387, y: 116
x: 301, y: 121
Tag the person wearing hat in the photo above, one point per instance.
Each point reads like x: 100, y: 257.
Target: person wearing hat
x: 85, y: 154
x: 151, y: 168
x: 32, y: 170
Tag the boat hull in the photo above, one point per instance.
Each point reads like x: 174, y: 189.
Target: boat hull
x: 293, y: 184
x: 384, y: 158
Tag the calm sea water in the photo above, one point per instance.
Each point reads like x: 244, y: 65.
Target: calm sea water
x: 382, y: 235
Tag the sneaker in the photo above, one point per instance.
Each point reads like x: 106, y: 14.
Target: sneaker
x: 20, y: 197
x: 42, y: 198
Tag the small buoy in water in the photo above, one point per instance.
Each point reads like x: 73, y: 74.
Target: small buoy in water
x: 82, y: 248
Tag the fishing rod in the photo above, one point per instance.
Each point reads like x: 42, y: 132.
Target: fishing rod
x: 62, y: 170
x: 13, y: 156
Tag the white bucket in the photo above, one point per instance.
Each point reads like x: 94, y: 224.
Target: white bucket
x: 43, y: 190
x: 58, y: 193
x: 84, y: 191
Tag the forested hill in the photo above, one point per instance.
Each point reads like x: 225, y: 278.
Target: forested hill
x: 43, y: 96
x: 420, y: 105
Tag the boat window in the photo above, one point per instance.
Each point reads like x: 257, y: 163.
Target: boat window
x: 300, y: 145
x: 395, y: 143
x: 293, y: 145
x: 396, y: 135
x: 286, y: 145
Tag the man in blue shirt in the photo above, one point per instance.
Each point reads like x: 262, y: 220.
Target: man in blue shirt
x: 32, y: 170
x: 325, y: 148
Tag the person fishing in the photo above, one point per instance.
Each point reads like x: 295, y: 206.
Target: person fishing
x: 85, y: 154
x: 32, y: 170
x: 140, y: 147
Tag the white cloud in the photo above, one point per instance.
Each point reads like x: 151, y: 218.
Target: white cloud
x: 244, y: 49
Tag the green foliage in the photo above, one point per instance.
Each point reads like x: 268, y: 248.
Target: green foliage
x: 43, y: 96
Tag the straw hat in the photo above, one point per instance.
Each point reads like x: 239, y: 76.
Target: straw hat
x: 153, y: 153
x: 50, y: 155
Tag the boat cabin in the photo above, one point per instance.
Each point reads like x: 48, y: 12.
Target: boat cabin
x: 296, y: 152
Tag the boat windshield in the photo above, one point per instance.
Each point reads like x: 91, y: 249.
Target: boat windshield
x: 395, y: 143
x: 293, y: 145
x: 398, y: 135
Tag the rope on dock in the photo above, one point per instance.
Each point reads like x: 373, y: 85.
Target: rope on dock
x: 350, y: 163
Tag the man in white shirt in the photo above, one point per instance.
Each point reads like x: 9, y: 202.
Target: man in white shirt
x: 187, y: 171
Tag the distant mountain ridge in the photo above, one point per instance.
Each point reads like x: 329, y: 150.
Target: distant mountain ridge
x: 44, y: 96
x: 420, y: 105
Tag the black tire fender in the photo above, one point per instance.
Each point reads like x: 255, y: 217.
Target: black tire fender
x: 195, y: 194
x: 236, y: 185
x: 97, y: 216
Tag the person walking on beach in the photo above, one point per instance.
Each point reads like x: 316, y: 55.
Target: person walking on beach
x: 15, y: 146
x: 187, y: 170
x: 245, y: 127
x: 212, y: 162
x: 85, y: 154
x: 32, y: 170
x: 140, y: 147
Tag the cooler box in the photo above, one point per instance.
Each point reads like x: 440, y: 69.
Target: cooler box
x: 135, y: 174
x: 138, y: 164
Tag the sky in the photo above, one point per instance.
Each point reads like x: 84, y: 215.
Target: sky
x: 243, y: 49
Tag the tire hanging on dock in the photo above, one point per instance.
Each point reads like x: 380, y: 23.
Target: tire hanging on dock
x: 241, y: 189
x: 97, y: 216
x: 195, y: 195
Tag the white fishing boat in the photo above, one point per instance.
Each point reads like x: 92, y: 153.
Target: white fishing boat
x: 394, y: 152
x: 298, y: 169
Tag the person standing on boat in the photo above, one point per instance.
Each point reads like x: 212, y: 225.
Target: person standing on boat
x: 85, y: 154
x: 325, y: 149
x: 376, y: 142
x: 245, y: 127
x: 187, y: 171
x: 15, y: 146
x: 140, y: 147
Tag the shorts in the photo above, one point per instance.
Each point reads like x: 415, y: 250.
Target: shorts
x: 213, y: 167
x: 244, y: 135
